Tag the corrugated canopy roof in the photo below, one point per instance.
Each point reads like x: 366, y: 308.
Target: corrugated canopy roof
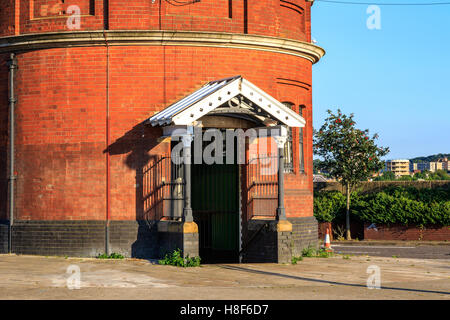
x: 216, y: 93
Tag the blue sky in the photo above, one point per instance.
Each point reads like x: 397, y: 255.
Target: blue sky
x: 395, y: 80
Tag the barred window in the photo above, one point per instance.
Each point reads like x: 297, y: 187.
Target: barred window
x: 301, y: 158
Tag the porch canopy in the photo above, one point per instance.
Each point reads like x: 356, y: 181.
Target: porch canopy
x: 234, y: 95
x: 231, y: 97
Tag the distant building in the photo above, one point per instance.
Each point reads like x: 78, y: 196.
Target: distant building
x: 421, y: 166
x: 440, y: 164
x: 445, y: 164
x: 436, y: 166
x: 399, y: 167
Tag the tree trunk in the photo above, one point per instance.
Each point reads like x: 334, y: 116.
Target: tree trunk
x: 348, y: 235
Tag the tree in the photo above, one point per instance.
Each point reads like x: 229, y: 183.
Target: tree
x: 347, y: 153
x: 406, y: 178
x: 421, y: 175
x: 442, y: 175
x: 386, y: 176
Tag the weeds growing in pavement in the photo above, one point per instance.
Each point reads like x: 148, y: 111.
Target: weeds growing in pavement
x: 176, y: 259
x: 311, y: 252
x: 111, y: 256
x: 294, y: 260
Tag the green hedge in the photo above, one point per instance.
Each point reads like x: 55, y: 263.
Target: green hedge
x: 394, y: 205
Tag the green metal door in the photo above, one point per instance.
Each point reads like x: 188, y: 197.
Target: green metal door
x: 215, y: 202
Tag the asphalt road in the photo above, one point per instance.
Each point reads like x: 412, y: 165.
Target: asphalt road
x: 407, y: 250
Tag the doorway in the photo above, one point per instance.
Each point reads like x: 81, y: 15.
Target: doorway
x: 216, y: 210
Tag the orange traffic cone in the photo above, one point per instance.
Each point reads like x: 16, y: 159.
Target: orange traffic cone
x: 327, y: 242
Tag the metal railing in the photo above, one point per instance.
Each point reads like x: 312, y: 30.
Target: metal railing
x: 262, y: 186
x: 163, y: 189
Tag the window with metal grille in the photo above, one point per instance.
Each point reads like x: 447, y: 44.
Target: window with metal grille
x: 301, y: 158
x: 288, y: 150
x: 176, y: 184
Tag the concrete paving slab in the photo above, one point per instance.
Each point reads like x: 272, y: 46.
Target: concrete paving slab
x: 33, y: 277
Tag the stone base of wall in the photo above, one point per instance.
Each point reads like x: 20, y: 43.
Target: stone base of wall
x: 4, y: 236
x: 260, y: 242
x: 304, y: 234
x: 85, y: 238
x: 59, y: 238
x: 137, y: 239
x: 284, y: 246
x: 410, y: 233
x: 151, y: 240
x: 265, y: 243
x: 173, y: 236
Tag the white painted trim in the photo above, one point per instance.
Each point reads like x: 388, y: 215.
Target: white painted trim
x: 260, y: 98
x: 272, y: 106
x: 204, y: 106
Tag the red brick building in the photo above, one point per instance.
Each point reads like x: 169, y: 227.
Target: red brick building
x: 93, y: 174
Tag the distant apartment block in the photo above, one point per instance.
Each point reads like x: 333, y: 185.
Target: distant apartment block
x: 421, y: 166
x: 441, y: 164
x: 399, y: 167
x: 445, y: 164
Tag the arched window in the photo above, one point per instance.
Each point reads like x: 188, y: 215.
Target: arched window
x: 288, y: 150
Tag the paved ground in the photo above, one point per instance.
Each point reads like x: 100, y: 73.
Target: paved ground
x: 419, y: 250
x: 31, y: 277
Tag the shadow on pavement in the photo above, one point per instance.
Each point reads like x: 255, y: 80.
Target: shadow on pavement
x: 266, y: 273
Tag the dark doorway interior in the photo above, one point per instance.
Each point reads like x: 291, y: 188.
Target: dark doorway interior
x: 215, y: 203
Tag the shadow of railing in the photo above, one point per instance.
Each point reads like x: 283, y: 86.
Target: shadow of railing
x: 276, y: 274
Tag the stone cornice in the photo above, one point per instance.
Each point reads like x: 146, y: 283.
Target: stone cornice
x: 39, y: 41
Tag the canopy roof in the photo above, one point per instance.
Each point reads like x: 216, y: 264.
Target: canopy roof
x: 215, y: 94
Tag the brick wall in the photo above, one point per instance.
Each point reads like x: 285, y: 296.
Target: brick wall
x: 260, y: 242
x: 322, y: 230
x: 85, y: 238
x: 263, y: 243
x: 338, y: 229
x: 62, y: 146
x: 278, y: 18
x: 4, y: 230
x: 38, y: 16
x: 72, y: 238
x: 171, y: 237
x: 7, y: 21
x: 4, y: 115
x: 137, y: 239
x: 412, y: 233
x: 304, y: 234
x: 284, y: 247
